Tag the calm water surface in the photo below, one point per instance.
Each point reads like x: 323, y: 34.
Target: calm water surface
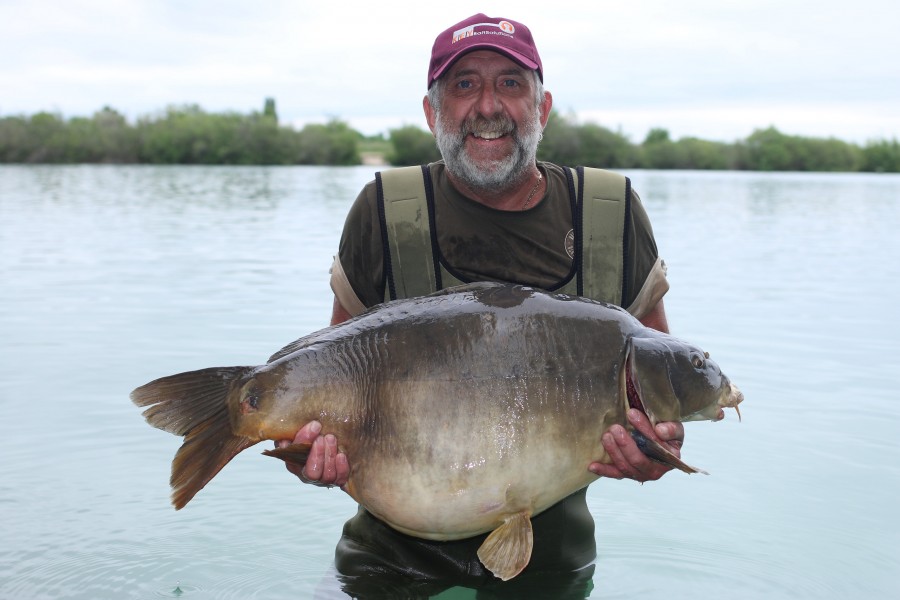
x: 112, y: 276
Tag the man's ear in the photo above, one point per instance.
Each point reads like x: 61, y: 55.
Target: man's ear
x: 430, y: 114
x: 545, y: 108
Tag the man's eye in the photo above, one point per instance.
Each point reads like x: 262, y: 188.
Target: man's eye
x: 510, y: 83
x: 464, y: 84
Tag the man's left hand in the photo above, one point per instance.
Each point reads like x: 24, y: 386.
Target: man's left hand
x: 628, y: 462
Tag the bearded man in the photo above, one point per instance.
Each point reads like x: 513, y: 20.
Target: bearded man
x: 489, y: 211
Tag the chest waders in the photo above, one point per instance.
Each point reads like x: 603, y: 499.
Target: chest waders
x: 600, y: 202
x: 413, y: 266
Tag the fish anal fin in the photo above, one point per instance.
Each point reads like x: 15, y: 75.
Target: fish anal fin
x: 295, y: 454
x: 507, y: 550
x: 657, y: 452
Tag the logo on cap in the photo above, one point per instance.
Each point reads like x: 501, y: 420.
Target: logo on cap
x: 505, y: 27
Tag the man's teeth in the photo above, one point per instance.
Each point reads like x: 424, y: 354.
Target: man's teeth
x: 488, y: 135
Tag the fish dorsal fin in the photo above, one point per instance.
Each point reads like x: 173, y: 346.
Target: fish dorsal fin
x: 304, y: 342
x: 507, y: 550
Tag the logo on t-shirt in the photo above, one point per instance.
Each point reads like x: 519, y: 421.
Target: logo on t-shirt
x: 570, y: 243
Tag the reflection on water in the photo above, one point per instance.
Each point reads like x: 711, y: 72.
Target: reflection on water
x: 113, y: 276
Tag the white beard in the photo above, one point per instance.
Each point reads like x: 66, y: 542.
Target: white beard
x: 497, y: 174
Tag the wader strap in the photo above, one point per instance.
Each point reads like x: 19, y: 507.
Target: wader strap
x: 602, y: 221
x: 411, y: 260
x: 406, y: 211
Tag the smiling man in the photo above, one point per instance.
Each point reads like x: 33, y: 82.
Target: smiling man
x: 487, y: 114
x: 489, y: 211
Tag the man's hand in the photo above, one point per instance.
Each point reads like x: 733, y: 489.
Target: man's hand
x: 627, y: 460
x: 325, y: 465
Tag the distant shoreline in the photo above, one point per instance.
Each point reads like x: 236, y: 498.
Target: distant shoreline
x: 188, y: 135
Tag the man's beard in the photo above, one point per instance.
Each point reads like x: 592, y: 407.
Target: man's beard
x: 497, y: 174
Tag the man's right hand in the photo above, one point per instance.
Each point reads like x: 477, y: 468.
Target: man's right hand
x: 326, y: 466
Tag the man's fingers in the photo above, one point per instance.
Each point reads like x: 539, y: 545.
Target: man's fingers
x: 671, y: 432
x: 329, y: 470
x: 325, y: 465
x: 315, y: 463
x: 628, y: 458
x: 640, y: 422
x: 614, y: 441
x: 308, y: 433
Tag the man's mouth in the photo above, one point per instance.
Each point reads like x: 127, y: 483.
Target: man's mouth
x: 489, y: 129
x: 488, y: 135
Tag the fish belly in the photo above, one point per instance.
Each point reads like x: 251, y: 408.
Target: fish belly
x: 484, y: 458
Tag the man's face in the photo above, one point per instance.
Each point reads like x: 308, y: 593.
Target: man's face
x: 489, y: 124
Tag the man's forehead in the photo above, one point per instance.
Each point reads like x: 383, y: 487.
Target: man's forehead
x: 481, y: 60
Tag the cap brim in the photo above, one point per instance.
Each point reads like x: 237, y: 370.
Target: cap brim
x: 519, y: 58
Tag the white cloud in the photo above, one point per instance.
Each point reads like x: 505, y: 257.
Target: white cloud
x: 701, y: 67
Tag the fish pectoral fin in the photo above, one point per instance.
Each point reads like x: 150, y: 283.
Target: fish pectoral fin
x: 660, y: 454
x: 295, y: 454
x: 507, y: 550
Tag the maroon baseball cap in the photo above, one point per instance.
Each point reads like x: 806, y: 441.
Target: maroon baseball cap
x: 481, y: 32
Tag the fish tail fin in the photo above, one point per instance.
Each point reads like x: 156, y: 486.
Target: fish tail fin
x: 660, y: 454
x: 194, y: 405
x: 507, y: 550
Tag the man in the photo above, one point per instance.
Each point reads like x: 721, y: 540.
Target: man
x: 493, y: 213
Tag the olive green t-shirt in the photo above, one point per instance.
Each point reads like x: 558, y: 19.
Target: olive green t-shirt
x: 478, y: 243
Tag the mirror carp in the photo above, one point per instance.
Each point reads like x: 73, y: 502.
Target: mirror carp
x: 463, y: 412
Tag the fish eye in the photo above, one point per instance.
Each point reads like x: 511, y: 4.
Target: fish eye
x: 252, y: 398
x: 697, y: 360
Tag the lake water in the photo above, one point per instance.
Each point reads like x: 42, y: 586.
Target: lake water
x: 112, y: 276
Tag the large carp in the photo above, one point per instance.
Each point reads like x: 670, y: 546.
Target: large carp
x: 466, y: 411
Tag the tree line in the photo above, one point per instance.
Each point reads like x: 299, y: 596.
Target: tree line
x: 185, y: 135
x: 189, y: 135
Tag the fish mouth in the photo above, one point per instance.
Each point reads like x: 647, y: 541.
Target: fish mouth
x: 732, y: 399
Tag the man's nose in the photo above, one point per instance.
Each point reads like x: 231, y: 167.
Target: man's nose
x: 488, y: 101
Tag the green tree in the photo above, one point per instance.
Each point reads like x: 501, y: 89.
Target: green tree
x: 560, y: 144
x: 188, y: 135
x: 116, y: 140
x: 16, y: 143
x: 695, y: 153
x: 766, y: 150
x: 269, y: 110
x: 334, y: 143
x: 48, y: 138
x: 881, y: 156
x: 412, y: 146
x: 659, y: 152
x: 567, y: 143
x: 771, y: 150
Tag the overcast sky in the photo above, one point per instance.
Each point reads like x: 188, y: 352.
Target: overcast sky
x: 708, y: 68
